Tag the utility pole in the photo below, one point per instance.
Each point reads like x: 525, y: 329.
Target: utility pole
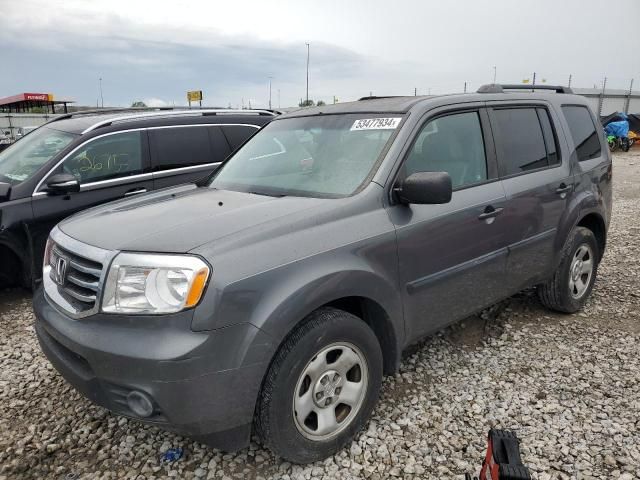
x: 101, y: 97
x: 601, y: 99
x: 569, y: 85
x: 307, y: 103
x: 533, y: 84
x: 270, y: 92
x: 628, y: 100
x: 495, y: 74
x: 415, y: 92
x: 465, y: 87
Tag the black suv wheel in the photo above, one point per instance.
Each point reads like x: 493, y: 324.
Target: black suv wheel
x: 573, y: 280
x: 321, y: 387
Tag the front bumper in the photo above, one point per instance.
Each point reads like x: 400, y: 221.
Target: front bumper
x: 202, y: 384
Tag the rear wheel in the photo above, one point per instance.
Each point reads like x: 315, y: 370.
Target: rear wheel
x: 321, y: 387
x: 573, y: 280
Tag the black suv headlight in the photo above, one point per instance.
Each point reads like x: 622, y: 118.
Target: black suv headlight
x: 145, y: 283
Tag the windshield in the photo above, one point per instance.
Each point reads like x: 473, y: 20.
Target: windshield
x: 22, y: 159
x: 322, y: 155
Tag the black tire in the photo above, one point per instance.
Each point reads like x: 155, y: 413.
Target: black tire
x: 556, y: 294
x: 275, y: 423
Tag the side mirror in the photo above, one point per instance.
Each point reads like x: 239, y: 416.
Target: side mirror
x: 425, y: 188
x: 62, y: 183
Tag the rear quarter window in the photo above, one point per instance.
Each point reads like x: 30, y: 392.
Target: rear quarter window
x: 583, y: 131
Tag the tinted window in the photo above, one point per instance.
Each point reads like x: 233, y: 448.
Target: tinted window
x: 550, y: 140
x: 521, y: 144
x: 113, y: 156
x: 452, y: 144
x: 180, y: 147
x: 583, y: 132
x: 219, y: 145
x: 238, y: 134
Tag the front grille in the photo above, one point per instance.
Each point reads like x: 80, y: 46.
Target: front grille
x: 77, y: 278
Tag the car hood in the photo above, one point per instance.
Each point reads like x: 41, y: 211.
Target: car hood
x: 178, y: 219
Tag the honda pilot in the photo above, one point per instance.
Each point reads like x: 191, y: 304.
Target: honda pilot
x: 272, y: 297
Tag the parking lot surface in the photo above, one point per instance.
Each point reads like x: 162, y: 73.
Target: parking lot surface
x: 567, y: 384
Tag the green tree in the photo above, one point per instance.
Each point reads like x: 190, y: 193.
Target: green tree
x: 320, y: 103
x: 306, y: 103
x: 138, y: 104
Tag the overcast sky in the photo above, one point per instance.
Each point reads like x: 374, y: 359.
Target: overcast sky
x: 155, y: 51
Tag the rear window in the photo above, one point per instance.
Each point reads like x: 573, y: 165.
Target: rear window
x: 583, y: 131
x: 521, y: 144
x: 179, y: 147
x: 238, y: 134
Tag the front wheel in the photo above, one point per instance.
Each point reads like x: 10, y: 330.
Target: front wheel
x: 321, y: 387
x: 573, y: 280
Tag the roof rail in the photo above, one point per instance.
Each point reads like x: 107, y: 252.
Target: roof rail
x: 500, y: 88
x: 203, y: 112
x: 373, y: 97
x: 111, y: 110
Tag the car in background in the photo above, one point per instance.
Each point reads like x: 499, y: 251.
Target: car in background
x: 22, y: 131
x: 84, y: 159
x: 5, y: 139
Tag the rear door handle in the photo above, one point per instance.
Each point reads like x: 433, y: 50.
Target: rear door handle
x: 564, y: 188
x: 490, y: 212
x: 135, y: 192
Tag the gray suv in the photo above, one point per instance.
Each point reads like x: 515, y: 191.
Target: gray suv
x: 272, y: 297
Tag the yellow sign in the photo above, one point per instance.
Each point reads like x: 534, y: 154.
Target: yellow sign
x: 526, y: 80
x: 194, y: 96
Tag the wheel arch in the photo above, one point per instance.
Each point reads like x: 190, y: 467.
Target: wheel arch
x: 595, y: 222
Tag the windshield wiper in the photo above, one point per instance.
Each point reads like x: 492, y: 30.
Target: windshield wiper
x: 275, y: 195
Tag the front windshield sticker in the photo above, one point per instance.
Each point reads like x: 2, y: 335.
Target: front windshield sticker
x: 376, y: 124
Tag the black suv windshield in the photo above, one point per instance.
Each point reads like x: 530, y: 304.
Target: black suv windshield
x: 321, y: 155
x: 25, y: 157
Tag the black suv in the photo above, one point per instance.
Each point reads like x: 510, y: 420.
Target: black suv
x: 84, y: 159
x: 272, y: 297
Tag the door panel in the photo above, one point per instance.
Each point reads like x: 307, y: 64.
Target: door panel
x: 537, y: 182
x: 452, y: 256
x: 451, y: 262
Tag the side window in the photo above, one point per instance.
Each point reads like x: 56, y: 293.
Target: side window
x: 521, y: 146
x: 180, y: 147
x: 583, y: 131
x: 453, y: 144
x: 550, y: 139
x: 238, y: 134
x: 112, y: 156
x: 219, y: 145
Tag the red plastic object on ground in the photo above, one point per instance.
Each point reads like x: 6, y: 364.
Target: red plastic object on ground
x: 503, y: 460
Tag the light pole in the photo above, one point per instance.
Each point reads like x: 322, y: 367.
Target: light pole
x: 494, y: 74
x: 307, y: 103
x: 101, y: 97
x: 270, y: 92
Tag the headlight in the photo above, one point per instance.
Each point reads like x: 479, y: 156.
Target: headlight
x: 153, y: 283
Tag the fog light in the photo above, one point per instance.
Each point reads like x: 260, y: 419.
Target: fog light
x: 140, y: 403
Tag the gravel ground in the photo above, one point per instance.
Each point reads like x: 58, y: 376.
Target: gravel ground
x: 567, y: 384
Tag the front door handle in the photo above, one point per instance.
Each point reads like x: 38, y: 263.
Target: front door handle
x: 490, y: 212
x: 564, y: 188
x: 135, y: 192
